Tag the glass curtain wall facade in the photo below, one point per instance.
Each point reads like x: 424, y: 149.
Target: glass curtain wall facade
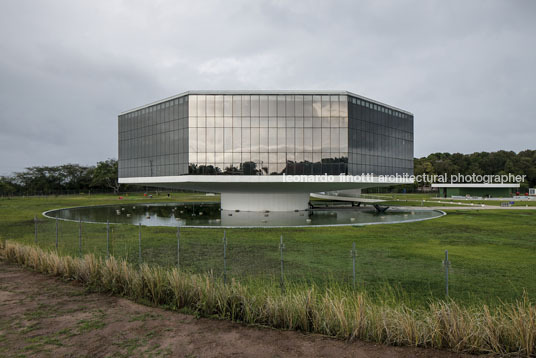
x: 153, y: 141
x: 211, y: 134
x: 268, y: 134
x: 381, y: 139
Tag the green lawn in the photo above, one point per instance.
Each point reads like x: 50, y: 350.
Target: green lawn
x: 431, y: 199
x: 497, y: 202
x: 491, y: 252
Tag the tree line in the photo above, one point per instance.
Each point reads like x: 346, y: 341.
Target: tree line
x: 480, y: 163
x: 46, y: 180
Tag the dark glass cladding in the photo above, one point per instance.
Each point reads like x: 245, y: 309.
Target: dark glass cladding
x: 265, y: 135
x: 380, y: 139
x: 154, y: 141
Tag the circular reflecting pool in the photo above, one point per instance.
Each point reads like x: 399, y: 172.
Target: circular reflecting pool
x: 210, y: 215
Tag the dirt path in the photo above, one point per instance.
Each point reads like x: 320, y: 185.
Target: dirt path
x: 45, y: 317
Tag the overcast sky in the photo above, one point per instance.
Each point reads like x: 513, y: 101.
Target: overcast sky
x: 466, y: 69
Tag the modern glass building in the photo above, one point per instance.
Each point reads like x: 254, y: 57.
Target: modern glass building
x: 237, y: 142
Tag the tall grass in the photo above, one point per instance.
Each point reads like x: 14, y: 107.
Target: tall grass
x: 339, y: 312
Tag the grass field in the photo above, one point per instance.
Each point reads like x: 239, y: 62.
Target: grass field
x: 491, y: 252
x: 431, y: 199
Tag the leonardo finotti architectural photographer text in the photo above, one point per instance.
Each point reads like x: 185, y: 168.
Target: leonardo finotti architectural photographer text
x: 420, y: 179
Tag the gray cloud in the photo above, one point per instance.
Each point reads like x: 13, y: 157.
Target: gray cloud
x: 465, y: 69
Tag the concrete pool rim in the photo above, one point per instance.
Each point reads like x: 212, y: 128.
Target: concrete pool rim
x: 47, y: 215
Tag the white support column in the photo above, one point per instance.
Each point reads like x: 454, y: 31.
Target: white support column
x: 264, y: 201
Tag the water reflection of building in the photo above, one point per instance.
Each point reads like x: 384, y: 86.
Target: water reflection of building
x: 241, y: 143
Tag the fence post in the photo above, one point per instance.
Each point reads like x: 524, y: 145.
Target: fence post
x: 178, y: 247
x: 224, y: 257
x: 281, y: 281
x: 56, y: 233
x: 353, y: 251
x: 35, y: 229
x: 446, y: 264
x: 80, y: 236
x: 139, y: 243
x: 107, y: 238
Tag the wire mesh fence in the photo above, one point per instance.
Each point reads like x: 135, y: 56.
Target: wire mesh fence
x: 275, y: 255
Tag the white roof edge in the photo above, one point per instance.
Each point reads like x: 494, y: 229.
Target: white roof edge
x: 264, y: 179
x: 156, y: 102
x: 378, y: 102
x: 490, y: 185
x: 265, y: 92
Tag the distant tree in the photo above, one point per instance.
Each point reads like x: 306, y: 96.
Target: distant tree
x: 105, y: 175
x: 75, y: 177
x: 446, y: 166
x: 6, y: 186
x: 423, y: 166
